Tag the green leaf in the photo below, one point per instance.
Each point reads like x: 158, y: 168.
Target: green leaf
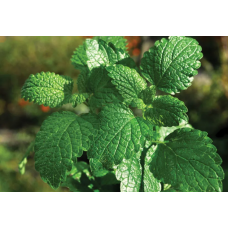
x: 97, y: 53
x: 102, y: 97
x: 99, y: 79
x: 135, y: 174
x: 121, y: 136
x: 188, y: 162
x: 49, y: 89
x: 129, y: 172
x: 137, y: 103
x: 150, y: 183
x: 62, y: 138
x: 83, y: 81
x: 128, y: 82
x: 23, y: 162
x: 165, y: 131
x: 93, y: 119
x: 97, y: 168
x: 171, y: 64
x: 77, y: 99
x: 103, y: 90
x: 166, y: 111
x: 129, y: 62
x: 79, y: 58
x: 117, y: 41
x: 148, y: 94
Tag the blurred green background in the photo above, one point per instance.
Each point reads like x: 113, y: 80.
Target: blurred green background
x: 206, y: 99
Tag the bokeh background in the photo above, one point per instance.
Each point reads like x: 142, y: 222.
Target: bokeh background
x: 206, y: 99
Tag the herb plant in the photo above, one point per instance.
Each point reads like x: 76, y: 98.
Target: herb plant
x: 155, y: 151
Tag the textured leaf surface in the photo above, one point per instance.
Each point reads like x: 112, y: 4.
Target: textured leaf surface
x: 62, y: 138
x: 99, y: 79
x: 137, y: 103
x: 103, y: 97
x: 166, y: 111
x: 97, y: 53
x: 49, y: 89
x: 77, y: 99
x: 188, y: 162
x: 97, y: 168
x: 118, y: 41
x: 129, y: 62
x: 150, y: 183
x: 128, y: 82
x: 79, y: 58
x: 83, y: 81
x: 121, y: 136
x: 93, y: 119
x: 163, y: 132
x: 129, y: 172
x: 171, y: 64
x: 135, y: 174
x: 148, y: 94
x: 102, y: 88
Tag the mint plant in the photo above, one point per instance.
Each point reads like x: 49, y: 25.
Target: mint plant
x: 157, y: 151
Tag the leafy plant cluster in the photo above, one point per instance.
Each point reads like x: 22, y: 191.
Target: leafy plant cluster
x: 157, y: 151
